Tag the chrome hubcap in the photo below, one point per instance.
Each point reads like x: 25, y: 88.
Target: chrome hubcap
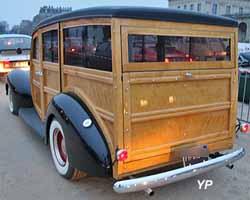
x: 59, y: 147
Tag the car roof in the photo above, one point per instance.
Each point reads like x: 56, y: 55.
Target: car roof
x: 14, y: 35
x: 148, y: 13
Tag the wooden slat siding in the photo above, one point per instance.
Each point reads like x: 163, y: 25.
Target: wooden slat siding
x: 83, y: 22
x: 50, y: 91
x: 167, y: 113
x: 118, y: 94
x: 51, y: 74
x: 106, y: 114
x: 99, y: 97
x: 127, y: 114
x: 160, y: 160
x: 86, y: 75
x: 180, y: 78
x: 202, y: 71
x: 37, y: 82
x: 234, y: 90
x: 114, y: 110
x: 134, y: 117
x: 173, y: 25
x: 185, y: 143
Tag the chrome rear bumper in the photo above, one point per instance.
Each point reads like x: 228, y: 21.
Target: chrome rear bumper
x: 157, y: 180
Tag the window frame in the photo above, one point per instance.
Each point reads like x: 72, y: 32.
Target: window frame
x: 35, y: 49
x: 144, y: 66
x: 228, y: 9
x: 199, y: 6
x: 54, y: 27
x: 214, y: 8
x: 85, y: 23
x: 51, y: 35
x: 241, y: 10
x: 191, y: 7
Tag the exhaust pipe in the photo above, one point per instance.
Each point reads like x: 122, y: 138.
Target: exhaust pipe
x: 149, y: 192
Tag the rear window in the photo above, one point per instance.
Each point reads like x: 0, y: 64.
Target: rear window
x: 13, y: 43
x: 153, y: 48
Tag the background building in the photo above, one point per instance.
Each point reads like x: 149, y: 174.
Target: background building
x: 27, y: 26
x: 237, y: 9
x: 48, y: 11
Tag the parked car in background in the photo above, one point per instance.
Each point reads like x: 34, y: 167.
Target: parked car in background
x: 243, y: 47
x: 14, y: 52
x: 244, y: 59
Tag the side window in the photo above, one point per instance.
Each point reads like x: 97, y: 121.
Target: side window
x: 89, y: 47
x: 50, y: 46
x: 153, y: 48
x: 36, y: 48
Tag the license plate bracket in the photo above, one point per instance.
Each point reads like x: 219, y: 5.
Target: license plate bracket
x: 194, y: 155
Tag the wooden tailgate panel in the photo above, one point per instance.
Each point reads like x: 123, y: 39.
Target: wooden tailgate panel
x: 167, y: 109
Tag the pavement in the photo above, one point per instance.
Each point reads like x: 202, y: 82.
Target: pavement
x: 27, y: 172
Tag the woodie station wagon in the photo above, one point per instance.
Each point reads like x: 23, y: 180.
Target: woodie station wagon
x: 127, y: 92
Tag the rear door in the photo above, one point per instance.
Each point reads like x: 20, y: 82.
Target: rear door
x: 179, y: 91
x: 36, y: 72
x: 45, y: 69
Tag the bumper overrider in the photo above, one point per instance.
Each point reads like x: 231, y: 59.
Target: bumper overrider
x: 157, y: 180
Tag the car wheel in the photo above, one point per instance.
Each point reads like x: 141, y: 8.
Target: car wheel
x: 59, y: 152
x: 13, y: 106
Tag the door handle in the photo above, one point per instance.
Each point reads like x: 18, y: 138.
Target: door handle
x: 189, y: 75
x: 39, y: 73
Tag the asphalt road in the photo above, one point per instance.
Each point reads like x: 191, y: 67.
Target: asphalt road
x: 27, y: 172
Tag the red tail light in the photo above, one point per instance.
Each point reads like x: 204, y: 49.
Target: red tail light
x: 167, y: 60
x: 6, y: 64
x: 244, y: 128
x: 122, y: 155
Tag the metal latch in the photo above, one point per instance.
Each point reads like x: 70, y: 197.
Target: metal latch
x: 39, y: 73
x: 189, y: 75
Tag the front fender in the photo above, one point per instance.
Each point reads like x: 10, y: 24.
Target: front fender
x: 86, y: 147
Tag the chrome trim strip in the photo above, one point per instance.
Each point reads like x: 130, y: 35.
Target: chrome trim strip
x: 157, y: 180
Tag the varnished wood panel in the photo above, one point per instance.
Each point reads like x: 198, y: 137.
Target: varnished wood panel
x: 151, y: 114
x: 96, y: 91
x: 158, y: 161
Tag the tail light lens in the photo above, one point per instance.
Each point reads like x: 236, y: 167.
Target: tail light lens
x: 122, y: 155
x: 244, y: 128
x: 5, y: 64
x: 167, y: 60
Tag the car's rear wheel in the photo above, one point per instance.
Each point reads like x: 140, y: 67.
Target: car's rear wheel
x: 59, y: 152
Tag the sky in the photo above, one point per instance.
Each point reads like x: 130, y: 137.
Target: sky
x: 13, y: 11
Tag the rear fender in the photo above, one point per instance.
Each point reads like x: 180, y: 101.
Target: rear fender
x: 86, y: 146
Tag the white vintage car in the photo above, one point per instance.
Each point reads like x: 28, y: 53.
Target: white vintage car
x: 14, y: 52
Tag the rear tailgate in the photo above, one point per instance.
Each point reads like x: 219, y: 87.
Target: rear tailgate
x: 168, y: 111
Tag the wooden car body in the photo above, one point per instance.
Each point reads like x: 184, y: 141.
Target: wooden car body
x: 153, y: 109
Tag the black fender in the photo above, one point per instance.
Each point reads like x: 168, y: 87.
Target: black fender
x: 86, y: 147
x: 19, y: 81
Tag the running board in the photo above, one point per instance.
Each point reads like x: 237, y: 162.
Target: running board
x: 31, y: 118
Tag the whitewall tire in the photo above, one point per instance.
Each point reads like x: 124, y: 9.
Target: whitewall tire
x: 59, y: 152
